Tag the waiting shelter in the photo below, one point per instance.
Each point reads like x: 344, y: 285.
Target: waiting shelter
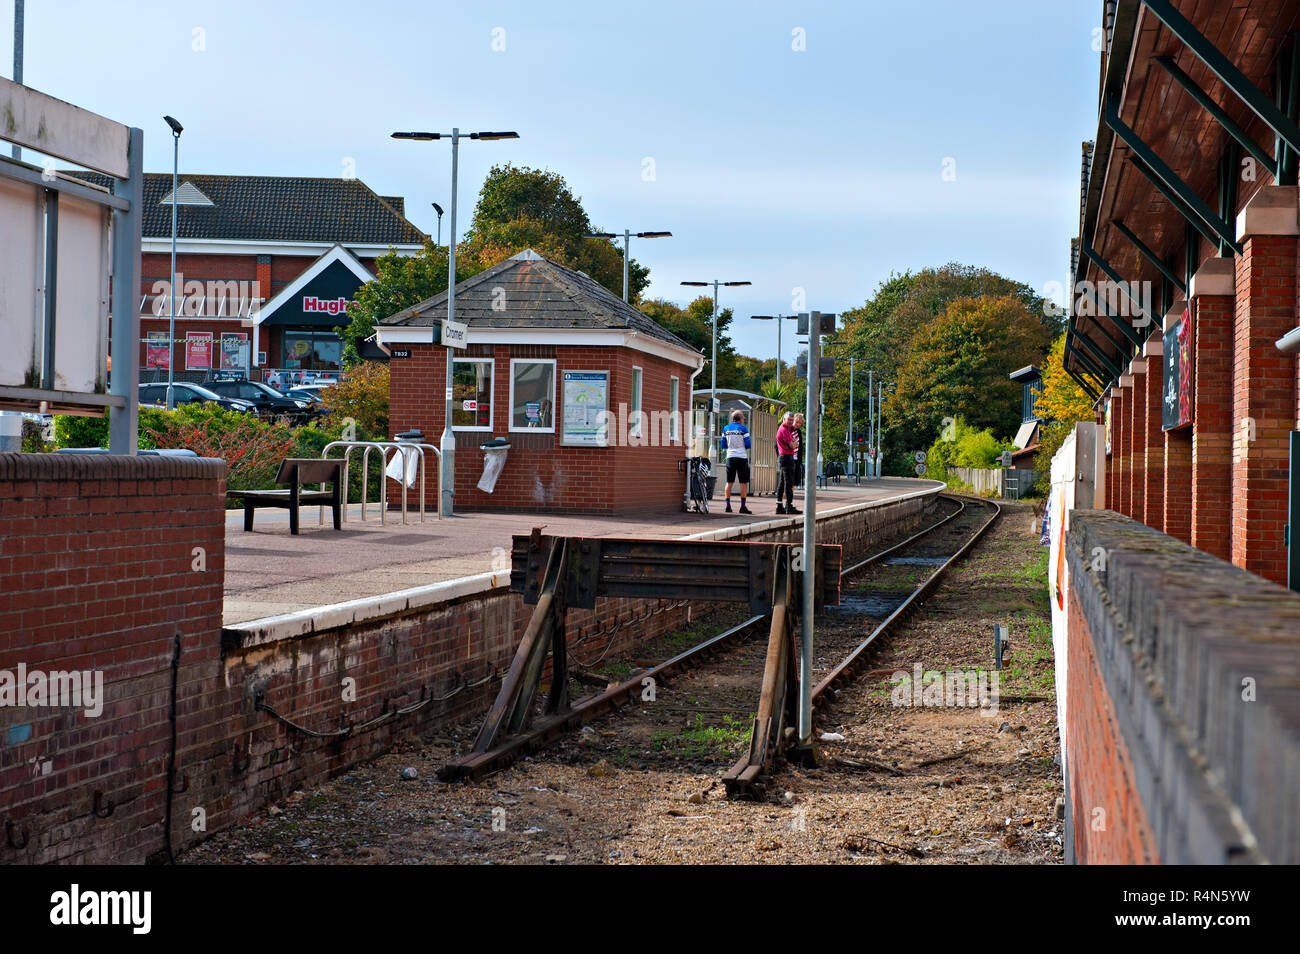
x: 592, y: 395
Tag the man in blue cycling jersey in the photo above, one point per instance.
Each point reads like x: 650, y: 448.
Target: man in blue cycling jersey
x: 735, y: 444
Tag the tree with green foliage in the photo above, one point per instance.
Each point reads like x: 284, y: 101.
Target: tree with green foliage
x: 518, y: 208
x: 694, y: 325
x: 880, y: 334
x: 958, y: 366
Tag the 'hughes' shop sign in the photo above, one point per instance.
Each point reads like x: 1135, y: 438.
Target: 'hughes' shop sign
x: 299, y: 330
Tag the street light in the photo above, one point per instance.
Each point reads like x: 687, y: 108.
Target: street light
x: 627, y: 241
x: 713, y: 364
x: 177, y: 129
x: 447, y: 447
x: 778, y: 319
x: 437, y: 208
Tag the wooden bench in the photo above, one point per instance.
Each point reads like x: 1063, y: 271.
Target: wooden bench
x: 296, y: 471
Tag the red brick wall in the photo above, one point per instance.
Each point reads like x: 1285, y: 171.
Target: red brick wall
x: 1264, y: 399
x: 540, y: 473
x: 1137, y: 443
x: 1110, y: 826
x: 1119, y: 450
x: 99, y: 573
x: 1153, y: 465
x: 1212, y: 425
x: 1178, y: 484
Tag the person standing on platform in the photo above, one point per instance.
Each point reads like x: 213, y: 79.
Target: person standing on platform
x: 798, y: 449
x: 735, y: 444
x: 787, y: 440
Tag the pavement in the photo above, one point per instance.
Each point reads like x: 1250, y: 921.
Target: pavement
x: 269, y: 571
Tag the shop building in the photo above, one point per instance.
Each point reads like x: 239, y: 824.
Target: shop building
x: 265, y: 267
x: 592, y: 395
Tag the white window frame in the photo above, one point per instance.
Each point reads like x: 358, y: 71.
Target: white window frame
x: 492, y: 411
x: 636, y: 416
x: 674, y: 408
x: 510, y: 409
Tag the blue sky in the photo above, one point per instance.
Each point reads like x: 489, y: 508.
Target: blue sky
x: 819, y: 169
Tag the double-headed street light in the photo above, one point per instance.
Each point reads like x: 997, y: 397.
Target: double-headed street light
x: 447, y: 448
x: 177, y: 129
x: 627, y: 241
x: 713, y: 364
x: 778, y: 319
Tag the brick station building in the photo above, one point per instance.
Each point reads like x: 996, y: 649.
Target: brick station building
x: 265, y: 266
x: 589, y: 391
x: 1187, y: 271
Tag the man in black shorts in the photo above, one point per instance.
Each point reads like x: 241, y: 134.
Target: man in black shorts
x: 735, y: 444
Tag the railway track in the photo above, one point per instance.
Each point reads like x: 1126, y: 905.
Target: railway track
x: 711, y: 689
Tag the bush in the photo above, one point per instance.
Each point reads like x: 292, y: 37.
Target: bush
x: 363, y: 396
x: 34, y: 438
x: 76, y: 431
x: 962, y: 446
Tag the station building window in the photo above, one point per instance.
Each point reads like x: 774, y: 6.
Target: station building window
x: 532, y: 395
x: 471, y: 394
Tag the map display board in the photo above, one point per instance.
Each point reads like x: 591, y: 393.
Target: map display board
x: 586, y: 403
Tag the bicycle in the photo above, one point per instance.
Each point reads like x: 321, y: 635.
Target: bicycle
x: 697, y: 497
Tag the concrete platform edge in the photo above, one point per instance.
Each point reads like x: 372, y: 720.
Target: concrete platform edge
x: 296, y: 625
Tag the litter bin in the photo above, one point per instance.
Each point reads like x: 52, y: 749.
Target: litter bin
x: 494, y: 458
x: 405, y: 465
x: 710, y: 482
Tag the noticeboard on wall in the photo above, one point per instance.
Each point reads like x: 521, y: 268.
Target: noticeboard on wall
x: 1178, y: 374
x: 586, y: 407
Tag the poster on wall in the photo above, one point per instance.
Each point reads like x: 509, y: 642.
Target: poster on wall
x: 198, y: 351
x: 586, y: 401
x: 157, y: 353
x: 1108, y: 403
x: 1178, y: 374
x: 234, y: 351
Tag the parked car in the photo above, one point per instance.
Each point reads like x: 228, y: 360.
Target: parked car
x: 269, y: 402
x: 186, y: 393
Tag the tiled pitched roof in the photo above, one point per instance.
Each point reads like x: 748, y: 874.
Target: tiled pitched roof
x: 276, y: 209
x: 538, y: 293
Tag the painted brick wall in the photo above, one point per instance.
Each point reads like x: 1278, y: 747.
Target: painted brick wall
x: 540, y: 473
x: 1181, y: 701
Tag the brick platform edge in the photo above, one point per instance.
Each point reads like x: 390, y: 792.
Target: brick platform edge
x: 97, y: 564
x: 1183, y: 703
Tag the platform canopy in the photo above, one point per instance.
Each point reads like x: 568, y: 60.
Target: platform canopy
x: 1197, y: 108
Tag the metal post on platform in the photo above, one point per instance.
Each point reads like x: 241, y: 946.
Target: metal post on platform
x: 810, y: 451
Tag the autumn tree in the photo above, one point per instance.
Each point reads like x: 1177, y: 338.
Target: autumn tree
x: 1062, y: 405
x: 517, y: 208
x: 958, y: 366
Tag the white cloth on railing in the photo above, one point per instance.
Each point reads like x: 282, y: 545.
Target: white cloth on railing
x: 412, y: 457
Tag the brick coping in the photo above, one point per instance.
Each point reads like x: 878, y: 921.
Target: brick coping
x: 271, y: 629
